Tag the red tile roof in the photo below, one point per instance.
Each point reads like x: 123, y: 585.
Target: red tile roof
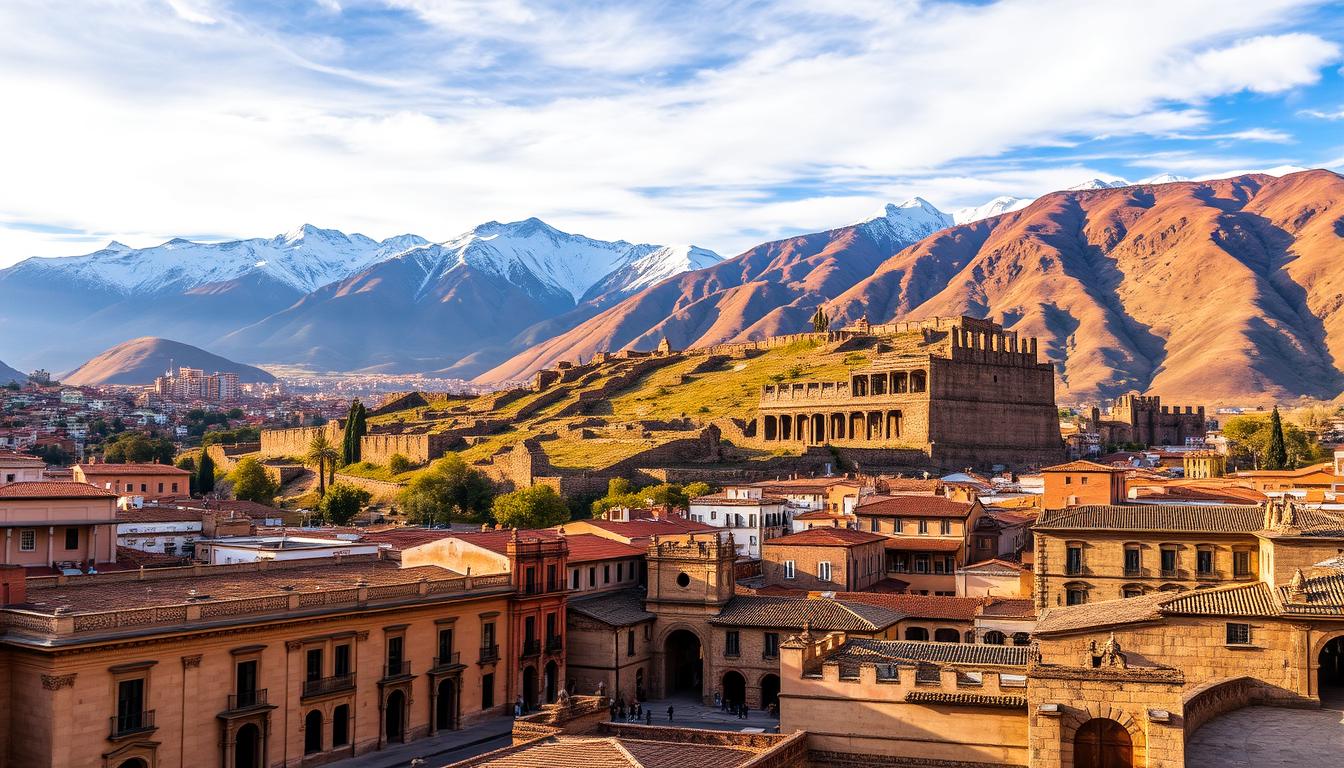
x: 53, y: 489
x: 1081, y: 465
x: 913, y: 506
x: 826, y: 537
x: 21, y: 457
x: 587, y: 548
x: 922, y: 543
x: 131, y: 469
x: 158, y: 515
x: 643, y: 528
x: 919, y: 606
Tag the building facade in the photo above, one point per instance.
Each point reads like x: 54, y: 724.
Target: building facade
x: 1143, y: 420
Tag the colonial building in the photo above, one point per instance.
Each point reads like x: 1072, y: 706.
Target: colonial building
x: 146, y: 480
x: 959, y: 390
x: 746, y: 512
x: 927, y: 537
x: 18, y: 468
x: 835, y: 559
x: 60, y: 525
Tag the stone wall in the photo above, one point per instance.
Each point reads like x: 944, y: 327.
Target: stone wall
x: 381, y: 490
x: 294, y: 441
x: 420, y: 448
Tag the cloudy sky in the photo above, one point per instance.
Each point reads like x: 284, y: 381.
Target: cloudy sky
x: 716, y: 123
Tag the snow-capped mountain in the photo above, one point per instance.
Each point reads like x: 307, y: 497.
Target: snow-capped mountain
x: 1000, y: 204
x: 304, y: 259
x: 1162, y: 178
x: 1099, y: 184
x: 901, y: 224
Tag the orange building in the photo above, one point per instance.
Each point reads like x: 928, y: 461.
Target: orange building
x: 148, y: 480
x: 57, y: 524
x: 1082, y: 482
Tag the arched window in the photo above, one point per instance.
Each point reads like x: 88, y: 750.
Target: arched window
x: 1021, y: 638
x: 946, y: 635
x: 340, y: 726
x: 312, y: 732
x: 994, y: 637
x: 916, y: 633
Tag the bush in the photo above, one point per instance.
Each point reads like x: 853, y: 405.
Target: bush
x: 536, y: 507
x: 251, y: 483
x: 343, y: 503
x: 396, y: 464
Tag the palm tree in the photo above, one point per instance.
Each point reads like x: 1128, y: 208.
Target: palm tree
x: 320, y: 452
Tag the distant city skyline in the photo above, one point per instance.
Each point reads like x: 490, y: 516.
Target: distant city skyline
x: 717, y: 124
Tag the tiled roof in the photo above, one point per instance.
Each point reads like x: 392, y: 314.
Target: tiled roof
x: 922, y: 543
x: 617, y: 609
x: 587, y: 548
x: 1240, y: 600
x: 826, y: 537
x: 1103, y: 614
x: 1203, y: 518
x: 863, y: 649
x: 818, y: 514
x: 158, y: 515
x: 919, y: 606
x: 912, y: 484
x: 588, y: 752
x: 131, y: 469
x: 822, y: 614
x: 1008, y: 608
x: 637, y: 529
x: 1324, y: 594
x: 21, y: 458
x: 1081, y: 465
x: 994, y: 564
x: 53, y: 489
x: 912, y: 506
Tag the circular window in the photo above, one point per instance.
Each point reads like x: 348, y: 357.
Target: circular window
x: 683, y: 580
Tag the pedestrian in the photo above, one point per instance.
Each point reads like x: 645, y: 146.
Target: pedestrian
x: 669, y: 713
x: 744, y: 710
x: 718, y: 700
x: 648, y: 717
x: 622, y: 706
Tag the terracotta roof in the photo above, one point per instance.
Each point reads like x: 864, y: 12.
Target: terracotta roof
x: 1105, y: 613
x: 131, y: 469
x: 616, y: 609
x: 1239, y: 600
x: 818, y: 514
x: 587, y: 548
x: 158, y: 515
x: 1008, y: 608
x: 53, y: 489
x: 724, y: 500
x: 1081, y: 465
x: 1324, y: 594
x: 913, y: 506
x: 922, y: 543
x: 826, y: 537
x: 995, y: 563
x: 636, y: 529
x: 912, y: 484
x: 22, y: 458
x: 612, y: 752
x: 863, y: 649
x: 919, y: 606
x: 94, y: 594
x: 1204, y: 518
x: 823, y: 614
x: 495, y: 541
x: 806, y: 482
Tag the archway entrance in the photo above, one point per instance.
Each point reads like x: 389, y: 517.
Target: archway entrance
x: 770, y: 692
x: 394, y: 719
x: 134, y: 762
x: 312, y: 732
x: 684, y: 663
x: 552, y: 672
x: 529, y: 688
x: 1330, y: 676
x: 734, y: 688
x: 247, y: 747
x: 1102, y: 743
x: 445, y: 705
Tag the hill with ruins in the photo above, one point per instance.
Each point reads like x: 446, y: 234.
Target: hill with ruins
x: 1212, y: 292
x: 937, y: 393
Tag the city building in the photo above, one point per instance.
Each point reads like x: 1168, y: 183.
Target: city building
x: 926, y: 537
x: 823, y: 558
x: 746, y: 512
x: 59, y: 525
x: 19, y: 468
x: 1134, y: 419
x: 144, y: 480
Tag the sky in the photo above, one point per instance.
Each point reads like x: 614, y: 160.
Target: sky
x: 722, y: 124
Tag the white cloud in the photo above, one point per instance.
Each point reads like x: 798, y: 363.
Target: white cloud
x: 128, y: 122
x: 1336, y: 114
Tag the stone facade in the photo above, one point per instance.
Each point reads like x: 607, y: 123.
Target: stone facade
x: 1142, y: 419
x: 960, y: 390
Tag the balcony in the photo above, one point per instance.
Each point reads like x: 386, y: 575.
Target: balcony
x: 555, y: 644
x: 131, y: 723
x: 396, y: 669
x: 1170, y: 573
x: 451, y: 660
x: 489, y: 653
x: 531, y: 647
x: 1133, y: 573
x: 324, y: 685
x: 247, y: 700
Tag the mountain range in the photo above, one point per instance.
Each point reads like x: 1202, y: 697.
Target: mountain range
x: 1204, y: 292
x: 139, y: 361
x: 10, y: 375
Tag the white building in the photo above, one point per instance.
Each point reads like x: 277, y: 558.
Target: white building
x: 747, y: 513
x: 251, y: 549
x: 17, y: 468
x: 163, y: 530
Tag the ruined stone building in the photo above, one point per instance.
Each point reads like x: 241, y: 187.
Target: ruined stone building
x: 1142, y: 419
x: 960, y: 390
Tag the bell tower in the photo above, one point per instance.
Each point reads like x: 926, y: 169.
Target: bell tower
x: 693, y: 574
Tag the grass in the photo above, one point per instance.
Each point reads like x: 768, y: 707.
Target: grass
x: 377, y: 472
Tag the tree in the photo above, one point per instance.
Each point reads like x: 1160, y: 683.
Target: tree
x: 397, y: 463
x: 321, y: 452
x: 1276, y: 456
x: 251, y: 483
x: 820, y: 322
x: 355, y: 428
x: 536, y: 507
x: 447, y: 487
x: 205, y: 474
x: 698, y: 489
x: 138, y: 448
x: 343, y: 503
x: 1249, y: 437
x: 188, y: 463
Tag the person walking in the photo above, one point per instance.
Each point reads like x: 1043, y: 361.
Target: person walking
x: 669, y: 713
x: 742, y: 713
x: 648, y: 717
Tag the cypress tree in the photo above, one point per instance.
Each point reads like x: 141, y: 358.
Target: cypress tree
x: 820, y: 322
x: 361, y: 428
x: 1277, y: 455
x: 349, y: 442
x: 205, y: 474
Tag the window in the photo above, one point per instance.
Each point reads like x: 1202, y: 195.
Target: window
x: 550, y: 578
x: 245, y: 683
x: 72, y: 538
x: 872, y: 524
x: 620, y: 571
x: 1076, y: 595
x: 1068, y: 480
x: 9, y: 478
x: 27, y: 540
x: 131, y: 715
x: 1238, y: 634
x: 488, y: 634
x: 789, y: 569
x: 340, y: 726
x: 1073, y: 563
x: 824, y: 570
x: 732, y: 643
x: 1168, y: 561
x: 446, y: 645
x: 923, y: 526
x: 995, y: 637
x: 753, y: 541
x: 174, y: 487
x: 945, y: 527
x: 592, y: 576
x: 921, y: 563
x: 144, y: 487
x: 1131, y: 590
x: 488, y: 690
x: 130, y: 487
x: 1241, y: 563
x: 1204, y: 561
x: 1082, y: 480
x: 340, y: 662
x: 313, y: 664
x: 312, y: 732
x: 530, y: 581
x: 529, y: 630
x: 395, y: 655
x: 606, y: 574
x: 160, y: 487
x: 1133, y: 560
x: 771, y: 649
x: 574, y: 578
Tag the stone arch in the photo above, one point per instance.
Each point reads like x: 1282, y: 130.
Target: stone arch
x: 946, y: 635
x: 919, y: 381
x: 770, y: 429
x: 1319, y: 651
x: 818, y: 428
x: 1075, y: 717
x: 836, y: 428
x: 994, y: 637
x: 668, y: 651
x: 769, y: 687
x: 1102, y: 743
x: 733, y: 686
x: 919, y: 634
x: 312, y: 732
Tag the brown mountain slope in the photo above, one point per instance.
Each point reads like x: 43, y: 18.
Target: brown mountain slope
x: 138, y: 361
x: 1203, y: 292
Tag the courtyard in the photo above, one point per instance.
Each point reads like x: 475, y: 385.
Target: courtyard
x: 1270, y: 737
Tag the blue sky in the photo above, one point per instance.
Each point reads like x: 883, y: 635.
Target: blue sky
x: 715, y: 123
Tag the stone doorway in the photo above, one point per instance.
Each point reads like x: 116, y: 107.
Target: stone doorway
x: 247, y: 747
x: 445, y: 705
x: 770, y: 692
x: 394, y: 719
x: 1330, y: 675
x: 1102, y: 743
x: 684, y: 661
x: 734, y: 688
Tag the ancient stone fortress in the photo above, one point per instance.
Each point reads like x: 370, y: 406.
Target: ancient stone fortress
x: 1143, y: 419
x: 962, y: 391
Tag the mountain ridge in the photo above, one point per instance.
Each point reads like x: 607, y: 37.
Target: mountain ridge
x: 139, y: 361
